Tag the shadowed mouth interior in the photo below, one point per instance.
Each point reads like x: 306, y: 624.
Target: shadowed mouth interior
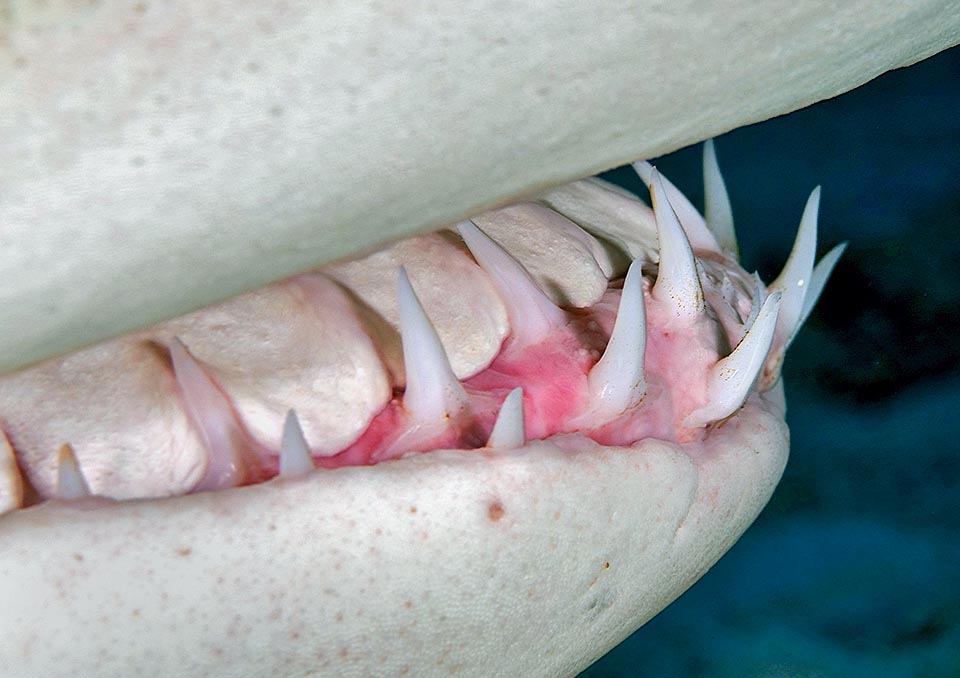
x: 585, y: 313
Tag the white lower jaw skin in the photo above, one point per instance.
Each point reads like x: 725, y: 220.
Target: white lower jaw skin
x: 529, y: 560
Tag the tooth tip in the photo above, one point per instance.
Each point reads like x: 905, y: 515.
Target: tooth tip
x: 509, y: 431
x: 617, y: 380
x: 295, y: 459
x: 644, y: 170
x: 732, y: 378
x: 433, y: 391
x: 677, y: 278
x: 70, y: 481
x: 531, y: 313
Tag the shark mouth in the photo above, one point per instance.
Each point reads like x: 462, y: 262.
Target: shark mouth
x: 350, y: 409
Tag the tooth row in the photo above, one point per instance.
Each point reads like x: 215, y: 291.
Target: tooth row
x: 617, y: 384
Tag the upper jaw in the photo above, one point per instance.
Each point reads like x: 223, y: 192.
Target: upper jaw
x: 223, y: 146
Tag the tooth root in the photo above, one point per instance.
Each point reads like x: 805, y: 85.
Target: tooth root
x: 616, y: 381
x: 509, y: 431
x: 719, y: 215
x: 731, y: 379
x: 677, y: 280
x: 795, y: 278
x: 295, y: 459
x: 212, y: 417
x: 532, y: 314
x: 71, y: 484
x: 11, y: 482
x: 818, y: 279
x: 699, y: 236
x: 433, y: 391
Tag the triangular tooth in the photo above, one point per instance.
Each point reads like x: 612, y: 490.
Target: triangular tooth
x: 509, y: 431
x: 677, y: 280
x: 433, y: 391
x: 213, y: 419
x: 794, y: 280
x: 11, y: 482
x: 295, y: 459
x: 616, y: 381
x: 699, y: 236
x: 821, y: 273
x: 71, y: 484
x: 532, y: 314
x: 719, y: 215
x: 731, y: 379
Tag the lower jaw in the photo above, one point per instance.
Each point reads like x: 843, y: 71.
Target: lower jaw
x: 533, y: 561
x: 529, y: 562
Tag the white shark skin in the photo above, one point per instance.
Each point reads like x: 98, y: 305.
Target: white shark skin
x: 160, y: 156
x: 641, y: 498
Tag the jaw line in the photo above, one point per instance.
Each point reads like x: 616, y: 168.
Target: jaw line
x: 230, y: 148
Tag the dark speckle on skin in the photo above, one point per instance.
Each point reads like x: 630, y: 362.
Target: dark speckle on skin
x: 78, y: 557
x: 184, y: 551
x: 276, y: 111
x: 495, y: 511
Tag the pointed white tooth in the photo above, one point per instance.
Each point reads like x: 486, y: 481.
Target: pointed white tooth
x: 677, y: 280
x: 699, y: 236
x: 70, y: 481
x: 211, y: 414
x: 295, y: 459
x: 509, y: 431
x: 717, y: 209
x: 794, y: 280
x: 532, y: 314
x: 730, y: 379
x: 616, y: 381
x: 821, y: 273
x: 433, y: 391
x: 11, y: 482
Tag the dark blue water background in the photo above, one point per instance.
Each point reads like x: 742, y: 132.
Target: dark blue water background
x: 854, y: 567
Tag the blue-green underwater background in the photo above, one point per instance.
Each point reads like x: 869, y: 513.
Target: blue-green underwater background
x: 854, y: 567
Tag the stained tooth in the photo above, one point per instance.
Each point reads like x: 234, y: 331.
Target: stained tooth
x: 677, y: 279
x: 699, y: 236
x: 821, y: 273
x: 212, y: 416
x: 433, y: 391
x: 717, y: 210
x: 11, y: 484
x: 730, y: 379
x: 616, y: 381
x: 532, y: 315
x: 508, y: 431
x: 295, y: 459
x: 70, y: 481
x: 794, y: 280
